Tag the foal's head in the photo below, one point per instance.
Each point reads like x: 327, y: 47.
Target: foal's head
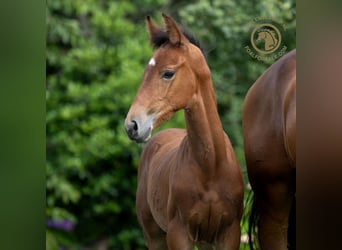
x: 170, y: 80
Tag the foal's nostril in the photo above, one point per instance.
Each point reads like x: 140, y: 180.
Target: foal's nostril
x: 135, y: 125
x: 132, y: 129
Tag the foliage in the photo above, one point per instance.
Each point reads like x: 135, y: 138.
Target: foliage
x: 96, y: 54
x: 95, y: 58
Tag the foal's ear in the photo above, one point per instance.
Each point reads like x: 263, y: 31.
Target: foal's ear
x: 154, y: 30
x: 174, y: 34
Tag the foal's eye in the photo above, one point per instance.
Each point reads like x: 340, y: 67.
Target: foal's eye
x: 168, y: 75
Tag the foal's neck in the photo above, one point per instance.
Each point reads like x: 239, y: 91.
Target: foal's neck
x: 205, y: 133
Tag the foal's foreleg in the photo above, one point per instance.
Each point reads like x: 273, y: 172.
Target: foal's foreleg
x: 230, y: 239
x: 178, y: 236
x: 155, y: 237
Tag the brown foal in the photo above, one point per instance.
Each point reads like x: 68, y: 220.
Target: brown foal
x: 190, y: 187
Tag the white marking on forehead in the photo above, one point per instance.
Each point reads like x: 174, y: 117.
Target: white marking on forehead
x: 152, y: 62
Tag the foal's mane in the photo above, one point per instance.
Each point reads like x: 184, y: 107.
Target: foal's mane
x: 161, y: 39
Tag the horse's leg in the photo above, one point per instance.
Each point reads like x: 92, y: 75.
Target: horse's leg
x: 291, y: 232
x: 274, y: 205
x: 155, y: 237
x: 178, y: 236
x: 231, y: 239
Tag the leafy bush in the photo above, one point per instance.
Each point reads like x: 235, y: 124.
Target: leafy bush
x: 95, y: 60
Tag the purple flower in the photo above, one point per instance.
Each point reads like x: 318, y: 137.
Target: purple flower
x: 65, y: 225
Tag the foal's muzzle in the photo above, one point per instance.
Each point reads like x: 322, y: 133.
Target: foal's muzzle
x: 138, y: 131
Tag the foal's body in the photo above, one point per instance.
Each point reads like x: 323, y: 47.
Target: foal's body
x: 178, y: 195
x: 190, y: 188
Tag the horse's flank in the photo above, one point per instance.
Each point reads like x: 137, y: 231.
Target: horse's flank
x: 269, y: 130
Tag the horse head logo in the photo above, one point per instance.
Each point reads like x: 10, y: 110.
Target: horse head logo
x: 266, y: 38
x: 269, y: 38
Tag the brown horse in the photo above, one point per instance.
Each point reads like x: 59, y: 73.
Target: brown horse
x: 269, y: 131
x: 190, y: 187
